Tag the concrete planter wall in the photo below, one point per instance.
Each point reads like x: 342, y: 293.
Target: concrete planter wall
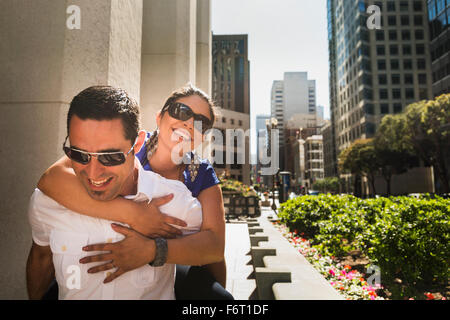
x: 237, y: 205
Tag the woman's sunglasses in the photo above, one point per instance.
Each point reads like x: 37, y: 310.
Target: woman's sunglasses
x: 107, y: 159
x: 183, y: 112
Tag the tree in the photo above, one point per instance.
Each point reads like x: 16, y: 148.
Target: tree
x: 428, y: 131
x: 369, y: 162
x: 360, y: 159
x: 327, y: 185
x: 393, y: 150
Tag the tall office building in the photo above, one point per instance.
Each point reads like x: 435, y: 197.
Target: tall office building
x: 294, y: 95
x: 374, y: 72
x: 439, y: 21
x: 231, y: 91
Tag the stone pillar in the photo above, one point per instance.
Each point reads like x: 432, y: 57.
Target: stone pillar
x: 43, y: 65
x: 204, y: 39
x: 168, y: 52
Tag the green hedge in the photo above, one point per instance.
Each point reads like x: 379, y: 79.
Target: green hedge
x: 408, y: 238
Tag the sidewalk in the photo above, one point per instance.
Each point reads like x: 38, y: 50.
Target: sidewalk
x: 237, y: 245
x: 307, y: 283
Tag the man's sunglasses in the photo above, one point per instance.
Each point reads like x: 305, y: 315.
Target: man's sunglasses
x: 183, y: 112
x: 107, y: 159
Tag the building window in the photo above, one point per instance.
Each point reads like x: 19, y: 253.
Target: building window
x: 417, y: 6
x: 420, y: 48
x: 394, y: 64
x: 393, y: 35
x: 409, y: 93
x: 419, y: 34
x: 240, y: 123
x: 383, y: 94
x: 368, y: 108
x: 397, y: 107
x: 395, y: 78
x: 224, y: 120
x: 379, y: 35
x: 392, y: 20
x: 406, y: 35
x: 418, y: 20
x: 384, y: 108
x: 381, y: 64
x: 391, y: 6
x: 382, y: 79
x: 380, y: 51
x: 407, y: 64
x: 422, y: 78
x: 408, y: 78
x: 393, y: 49
x: 404, y: 20
x: 406, y: 49
x: 421, y: 64
x: 403, y: 5
x: 396, y: 93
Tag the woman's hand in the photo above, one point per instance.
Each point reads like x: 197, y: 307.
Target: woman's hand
x: 149, y: 221
x: 128, y: 254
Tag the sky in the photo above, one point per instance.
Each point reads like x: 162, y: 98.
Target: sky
x: 283, y: 36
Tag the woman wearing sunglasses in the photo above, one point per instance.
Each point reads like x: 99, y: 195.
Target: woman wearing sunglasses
x: 183, y: 120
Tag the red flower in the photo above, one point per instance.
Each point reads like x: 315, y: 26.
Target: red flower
x: 430, y: 296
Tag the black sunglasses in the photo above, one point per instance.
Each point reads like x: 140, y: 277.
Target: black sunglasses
x: 107, y: 159
x: 183, y: 112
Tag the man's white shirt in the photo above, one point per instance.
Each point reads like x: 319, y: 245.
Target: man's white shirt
x: 67, y: 232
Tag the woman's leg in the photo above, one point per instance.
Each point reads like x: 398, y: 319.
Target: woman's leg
x: 196, y: 283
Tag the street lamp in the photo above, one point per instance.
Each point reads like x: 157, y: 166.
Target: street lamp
x: 272, y: 124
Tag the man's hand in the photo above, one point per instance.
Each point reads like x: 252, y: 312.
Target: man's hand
x: 151, y: 222
x: 128, y: 254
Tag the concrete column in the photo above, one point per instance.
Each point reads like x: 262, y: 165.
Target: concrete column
x: 168, y: 52
x: 43, y: 65
x: 204, y: 40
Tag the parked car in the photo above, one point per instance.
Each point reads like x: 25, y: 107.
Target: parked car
x: 313, y: 192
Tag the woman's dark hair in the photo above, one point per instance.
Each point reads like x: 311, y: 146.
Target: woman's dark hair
x: 107, y: 103
x: 187, y: 91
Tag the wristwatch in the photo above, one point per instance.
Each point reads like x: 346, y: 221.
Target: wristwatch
x: 161, y: 253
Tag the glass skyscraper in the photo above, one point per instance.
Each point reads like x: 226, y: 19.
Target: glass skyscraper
x: 375, y: 70
x: 439, y: 20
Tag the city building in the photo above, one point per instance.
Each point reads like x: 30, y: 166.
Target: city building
x: 328, y: 150
x: 231, y: 91
x: 439, y: 21
x: 293, y: 96
x: 149, y: 48
x: 374, y: 70
x: 314, y: 167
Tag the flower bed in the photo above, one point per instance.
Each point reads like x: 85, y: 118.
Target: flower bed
x: 407, y: 238
x: 349, y: 283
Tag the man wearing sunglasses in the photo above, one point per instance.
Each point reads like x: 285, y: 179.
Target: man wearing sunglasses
x: 103, y: 126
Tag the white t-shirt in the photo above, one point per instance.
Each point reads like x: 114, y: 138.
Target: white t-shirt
x: 66, y: 232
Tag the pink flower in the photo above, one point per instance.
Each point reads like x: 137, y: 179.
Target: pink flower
x: 332, y: 272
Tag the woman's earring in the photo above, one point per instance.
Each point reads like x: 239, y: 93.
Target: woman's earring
x: 194, y: 165
x: 152, y: 143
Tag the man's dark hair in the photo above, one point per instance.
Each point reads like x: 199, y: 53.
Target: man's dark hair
x: 107, y: 103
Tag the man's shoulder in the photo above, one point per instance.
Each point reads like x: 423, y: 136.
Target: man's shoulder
x: 41, y: 200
